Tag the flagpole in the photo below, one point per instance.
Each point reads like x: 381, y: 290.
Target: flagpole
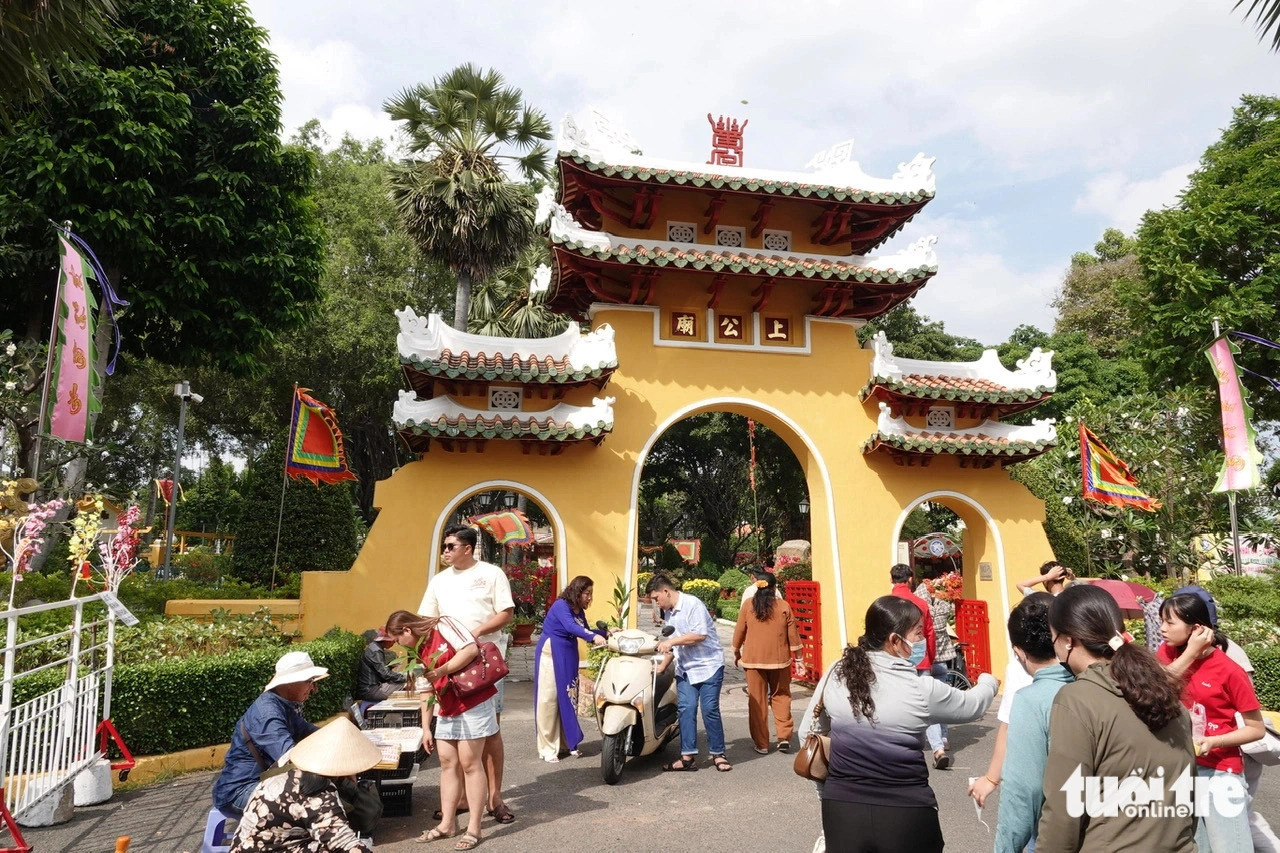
x: 284, y: 484
x: 1231, y: 495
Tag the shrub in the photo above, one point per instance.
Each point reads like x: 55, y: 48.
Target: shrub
x: 801, y: 571
x: 167, y: 705
x: 703, y: 571
x: 201, y: 565
x: 1266, y: 674
x: 642, y: 582
x: 706, y: 591
x: 734, y: 580
x: 729, y: 608
x: 1245, y: 598
x: 670, y: 561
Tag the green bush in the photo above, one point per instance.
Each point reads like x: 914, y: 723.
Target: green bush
x: 1246, y: 598
x: 735, y: 580
x: 1266, y: 674
x: 729, y: 608
x: 167, y: 705
x: 706, y: 590
x: 1063, y: 532
x: 703, y: 571
x: 802, y: 571
x: 201, y: 565
x: 670, y: 561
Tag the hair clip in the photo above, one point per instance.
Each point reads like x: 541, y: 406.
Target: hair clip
x: 761, y: 584
x: 1119, y: 640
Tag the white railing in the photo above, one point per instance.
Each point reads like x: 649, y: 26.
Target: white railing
x: 47, y: 740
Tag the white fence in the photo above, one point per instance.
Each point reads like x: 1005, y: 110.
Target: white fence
x: 51, y: 737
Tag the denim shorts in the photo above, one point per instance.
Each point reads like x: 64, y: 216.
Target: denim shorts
x: 478, y: 723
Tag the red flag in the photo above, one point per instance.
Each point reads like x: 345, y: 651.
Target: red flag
x: 315, y: 443
x: 1106, y: 479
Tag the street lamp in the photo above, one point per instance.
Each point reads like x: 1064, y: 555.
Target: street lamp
x: 184, y: 394
x: 804, y: 506
x: 484, y: 499
x: 510, y: 499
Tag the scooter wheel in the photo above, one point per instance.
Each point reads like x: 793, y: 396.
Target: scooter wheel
x: 613, y: 756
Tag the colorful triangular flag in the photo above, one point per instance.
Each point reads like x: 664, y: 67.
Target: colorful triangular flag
x: 1106, y: 479
x: 315, y: 449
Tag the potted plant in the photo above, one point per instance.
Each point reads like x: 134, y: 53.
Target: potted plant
x: 522, y: 628
x: 531, y: 591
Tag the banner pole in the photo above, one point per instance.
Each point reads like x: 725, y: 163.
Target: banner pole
x: 284, y: 484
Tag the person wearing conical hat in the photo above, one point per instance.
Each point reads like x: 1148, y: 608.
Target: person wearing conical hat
x: 299, y: 811
x: 269, y: 729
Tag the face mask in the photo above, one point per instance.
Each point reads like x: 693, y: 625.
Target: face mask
x: 1063, y: 663
x: 917, y: 653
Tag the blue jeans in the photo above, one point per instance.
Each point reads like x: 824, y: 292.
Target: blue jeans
x: 1220, y: 833
x: 937, y: 732
x: 689, y: 697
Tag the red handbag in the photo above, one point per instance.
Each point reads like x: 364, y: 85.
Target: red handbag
x: 483, y: 672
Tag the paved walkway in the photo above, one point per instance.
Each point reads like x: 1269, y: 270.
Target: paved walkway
x: 760, y: 805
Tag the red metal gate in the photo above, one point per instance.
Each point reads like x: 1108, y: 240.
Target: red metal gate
x: 806, y: 606
x: 971, y: 628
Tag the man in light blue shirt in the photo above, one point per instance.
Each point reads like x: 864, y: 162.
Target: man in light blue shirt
x: 699, y: 659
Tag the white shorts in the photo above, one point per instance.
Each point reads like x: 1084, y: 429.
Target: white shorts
x: 478, y: 723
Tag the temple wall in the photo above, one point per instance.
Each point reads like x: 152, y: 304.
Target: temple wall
x: 590, y: 493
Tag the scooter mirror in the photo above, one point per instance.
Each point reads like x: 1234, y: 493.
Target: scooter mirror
x: 668, y: 630
x: 601, y: 625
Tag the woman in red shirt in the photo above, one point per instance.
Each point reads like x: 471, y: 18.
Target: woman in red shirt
x: 1215, y: 689
x: 462, y: 722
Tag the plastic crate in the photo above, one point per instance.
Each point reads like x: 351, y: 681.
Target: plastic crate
x: 397, y: 799
x: 403, y: 771
x: 376, y: 718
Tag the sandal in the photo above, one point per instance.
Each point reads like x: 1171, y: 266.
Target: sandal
x: 721, y: 763
x: 784, y: 746
x: 467, y: 842
x: 501, y: 814
x: 684, y: 762
x: 439, y: 815
x: 435, y: 833
x: 760, y: 751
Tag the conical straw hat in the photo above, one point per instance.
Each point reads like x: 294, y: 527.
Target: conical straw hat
x: 338, y: 749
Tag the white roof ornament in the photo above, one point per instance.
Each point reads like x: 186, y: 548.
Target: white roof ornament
x: 593, y: 135
x: 545, y: 202
x: 918, y: 172
x: 1035, y: 371
x: 565, y: 229
x: 836, y: 155
x: 409, y: 412
x: 541, y: 282
x: 1041, y: 431
x: 428, y: 341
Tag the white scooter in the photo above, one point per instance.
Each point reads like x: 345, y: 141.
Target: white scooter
x: 631, y: 722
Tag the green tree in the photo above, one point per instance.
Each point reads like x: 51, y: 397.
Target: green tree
x: 914, y: 335
x: 507, y: 305
x: 319, y: 531
x: 214, y: 503
x: 1217, y: 254
x: 1099, y: 292
x: 37, y: 36
x: 454, y: 195
x: 1083, y: 372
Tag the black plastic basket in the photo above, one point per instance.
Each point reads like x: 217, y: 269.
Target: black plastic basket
x: 397, y: 800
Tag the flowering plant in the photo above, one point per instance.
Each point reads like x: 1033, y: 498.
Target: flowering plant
x: 530, y: 587
x: 26, y: 537
x: 949, y: 586
x: 84, y: 534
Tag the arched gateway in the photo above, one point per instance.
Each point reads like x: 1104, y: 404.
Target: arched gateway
x: 709, y: 288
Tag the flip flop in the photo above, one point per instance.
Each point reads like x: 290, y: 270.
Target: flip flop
x: 435, y: 833
x: 467, y: 842
x: 684, y: 762
x: 721, y: 763
x: 501, y: 814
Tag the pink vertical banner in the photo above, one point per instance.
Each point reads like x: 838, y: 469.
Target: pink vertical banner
x: 73, y: 362
x: 1240, y: 468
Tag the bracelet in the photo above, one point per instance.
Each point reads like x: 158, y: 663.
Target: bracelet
x: 992, y: 781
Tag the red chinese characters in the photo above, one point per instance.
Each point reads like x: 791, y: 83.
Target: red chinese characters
x: 726, y: 141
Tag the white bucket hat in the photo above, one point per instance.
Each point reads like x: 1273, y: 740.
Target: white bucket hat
x: 294, y: 667
x: 338, y: 749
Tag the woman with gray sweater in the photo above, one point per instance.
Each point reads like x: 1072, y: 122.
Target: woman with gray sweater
x: 877, y: 797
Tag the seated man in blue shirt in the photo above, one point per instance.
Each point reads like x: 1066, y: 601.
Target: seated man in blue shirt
x: 699, y: 659
x: 269, y: 729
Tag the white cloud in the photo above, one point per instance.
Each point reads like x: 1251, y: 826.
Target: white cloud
x: 325, y: 81
x: 979, y: 292
x: 1123, y: 201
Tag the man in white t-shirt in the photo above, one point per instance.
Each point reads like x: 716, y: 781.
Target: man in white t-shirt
x: 478, y: 595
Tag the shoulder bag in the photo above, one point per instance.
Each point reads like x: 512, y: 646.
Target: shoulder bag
x: 811, y: 761
x: 489, y: 666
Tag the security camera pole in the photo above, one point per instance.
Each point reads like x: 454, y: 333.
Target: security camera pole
x: 183, y: 392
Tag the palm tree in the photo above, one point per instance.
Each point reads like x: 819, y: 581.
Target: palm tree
x: 467, y: 132
x: 37, y: 36
x: 507, y: 306
x: 1267, y: 13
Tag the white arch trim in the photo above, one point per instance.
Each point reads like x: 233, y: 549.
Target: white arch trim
x: 562, y: 553
x: 712, y: 403
x: 986, y: 517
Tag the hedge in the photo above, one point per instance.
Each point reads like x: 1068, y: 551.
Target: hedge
x: 1266, y: 674
x: 706, y: 590
x: 174, y: 704
x: 729, y: 609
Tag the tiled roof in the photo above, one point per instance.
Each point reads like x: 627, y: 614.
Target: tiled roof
x: 961, y: 445
x: 497, y: 368
x: 819, y: 192
x: 957, y: 388
x: 507, y: 428
x: 749, y: 262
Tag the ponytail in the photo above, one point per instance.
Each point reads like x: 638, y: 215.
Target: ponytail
x: 887, y: 615
x: 1153, y: 693
x: 857, y: 674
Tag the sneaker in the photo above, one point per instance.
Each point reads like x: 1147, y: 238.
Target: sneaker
x: 784, y: 746
x: 762, y: 751
x: 941, y: 760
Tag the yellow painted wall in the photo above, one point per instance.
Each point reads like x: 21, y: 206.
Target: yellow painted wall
x: 589, y: 493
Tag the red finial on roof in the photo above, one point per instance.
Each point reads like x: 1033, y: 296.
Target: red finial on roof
x: 726, y: 141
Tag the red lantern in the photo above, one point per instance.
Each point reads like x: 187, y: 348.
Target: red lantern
x: 85, y: 570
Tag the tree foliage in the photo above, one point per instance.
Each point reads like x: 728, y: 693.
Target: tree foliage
x: 454, y: 195
x: 38, y: 36
x: 164, y: 155
x: 1100, y: 292
x: 914, y: 335
x: 1217, y: 254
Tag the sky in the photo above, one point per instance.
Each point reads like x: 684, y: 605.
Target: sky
x: 1050, y: 121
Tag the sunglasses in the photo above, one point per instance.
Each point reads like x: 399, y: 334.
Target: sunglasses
x: 449, y: 546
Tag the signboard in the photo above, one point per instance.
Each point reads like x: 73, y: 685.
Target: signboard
x: 984, y: 571
x: 117, y: 607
